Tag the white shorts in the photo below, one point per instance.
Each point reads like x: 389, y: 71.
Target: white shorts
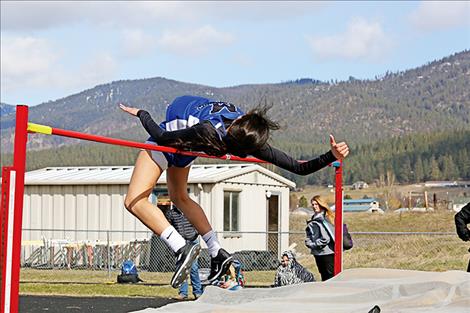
x: 165, y: 159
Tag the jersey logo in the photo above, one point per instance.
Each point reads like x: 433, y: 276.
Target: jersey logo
x: 219, y: 106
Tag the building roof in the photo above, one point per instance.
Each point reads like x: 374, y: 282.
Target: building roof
x: 121, y: 175
x: 357, y: 201
x: 356, y: 205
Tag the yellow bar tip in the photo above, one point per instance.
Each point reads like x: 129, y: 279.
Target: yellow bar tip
x: 41, y: 129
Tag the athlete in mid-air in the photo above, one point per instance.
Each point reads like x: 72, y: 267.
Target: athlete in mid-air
x: 215, y: 128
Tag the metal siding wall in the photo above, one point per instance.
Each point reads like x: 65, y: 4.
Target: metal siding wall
x: 284, y: 218
x: 217, y: 205
x: 36, y: 208
x: 93, y: 214
x: 104, y: 209
x: 46, y: 211
x: 253, y: 208
x: 26, y: 235
x: 58, y: 207
x: 70, y: 211
x: 129, y: 220
x: 117, y: 212
x: 82, y: 212
x: 250, y: 216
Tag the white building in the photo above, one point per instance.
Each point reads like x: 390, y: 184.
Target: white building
x: 243, y: 202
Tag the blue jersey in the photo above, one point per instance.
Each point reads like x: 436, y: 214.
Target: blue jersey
x: 187, y: 111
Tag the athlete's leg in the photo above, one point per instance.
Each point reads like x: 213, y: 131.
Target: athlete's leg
x: 177, y: 179
x: 177, y: 182
x: 145, y: 175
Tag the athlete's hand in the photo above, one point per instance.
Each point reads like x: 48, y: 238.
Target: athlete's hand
x: 340, y: 150
x: 132, y: 111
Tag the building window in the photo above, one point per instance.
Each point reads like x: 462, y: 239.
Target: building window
x: 231, y: 212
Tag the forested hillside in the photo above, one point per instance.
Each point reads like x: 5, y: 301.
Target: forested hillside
x: 430, y: 98
x: 6, y: 109
x: 414, y: 158
x: 413, y: 124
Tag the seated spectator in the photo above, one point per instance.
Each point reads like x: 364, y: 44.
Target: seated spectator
x: 233, y: 279
x: 290, y: 272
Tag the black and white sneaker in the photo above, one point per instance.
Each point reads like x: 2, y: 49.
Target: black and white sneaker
x: 184, y: 260
x: 219, y: 265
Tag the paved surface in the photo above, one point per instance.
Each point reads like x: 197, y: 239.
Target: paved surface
x: 33, y: 304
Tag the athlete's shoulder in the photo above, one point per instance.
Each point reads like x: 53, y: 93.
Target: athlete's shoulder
x: 190, y: 98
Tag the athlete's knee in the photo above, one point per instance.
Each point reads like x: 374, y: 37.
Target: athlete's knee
x: 132, y: 203
x: 180, y: 200
x: 128, y: 203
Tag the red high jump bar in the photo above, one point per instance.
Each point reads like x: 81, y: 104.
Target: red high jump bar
x: 11, y: 209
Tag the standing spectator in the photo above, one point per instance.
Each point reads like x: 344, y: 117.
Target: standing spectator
x: 319, y: 237
x: 462, y: 218
x: 291, y: 272
x: 189, y: 233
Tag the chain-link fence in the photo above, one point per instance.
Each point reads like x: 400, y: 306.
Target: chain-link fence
x: 399, y: 250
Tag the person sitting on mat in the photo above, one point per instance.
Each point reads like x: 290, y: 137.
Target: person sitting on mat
x: 291, y: 272
x: 215, y: 128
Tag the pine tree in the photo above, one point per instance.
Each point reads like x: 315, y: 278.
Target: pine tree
x: 435, y: 172
x: 418, y: 170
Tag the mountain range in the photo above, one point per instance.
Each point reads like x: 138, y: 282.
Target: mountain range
x: 430, y: 98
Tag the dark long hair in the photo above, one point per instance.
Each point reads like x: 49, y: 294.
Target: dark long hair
x: 250, y: 132
x: 245, y: 135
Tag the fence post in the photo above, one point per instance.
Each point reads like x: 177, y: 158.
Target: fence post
x: 109, y: 255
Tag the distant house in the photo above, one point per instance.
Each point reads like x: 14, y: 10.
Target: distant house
x: 360, y: 205
x: 447, y: 183
x: 359, y: 185
x: 459, y: 203
x: 303, y: 211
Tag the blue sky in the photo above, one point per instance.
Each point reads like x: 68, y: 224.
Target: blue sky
x: 52, y: 49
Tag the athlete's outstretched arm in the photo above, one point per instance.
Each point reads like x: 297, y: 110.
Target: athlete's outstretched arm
x: 279, y: 158
x: 162, y: 137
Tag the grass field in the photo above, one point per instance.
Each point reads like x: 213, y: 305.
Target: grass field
x: 424, y: 252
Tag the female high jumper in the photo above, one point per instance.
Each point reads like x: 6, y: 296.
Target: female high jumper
x: 215, y: 128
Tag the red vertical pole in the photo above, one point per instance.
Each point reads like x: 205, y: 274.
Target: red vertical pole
x: 4, y: 206
x: 18, y: 173
x: 338, y: 216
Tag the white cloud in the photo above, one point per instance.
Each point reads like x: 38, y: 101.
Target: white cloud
x: 361, y: 40
x: 35, y: 63
x: 36, y: 15
x: 137, y: 43
x: 195, y: 41
x: 100, y: 69
x: 26, y: 59
x: 437, y: 15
